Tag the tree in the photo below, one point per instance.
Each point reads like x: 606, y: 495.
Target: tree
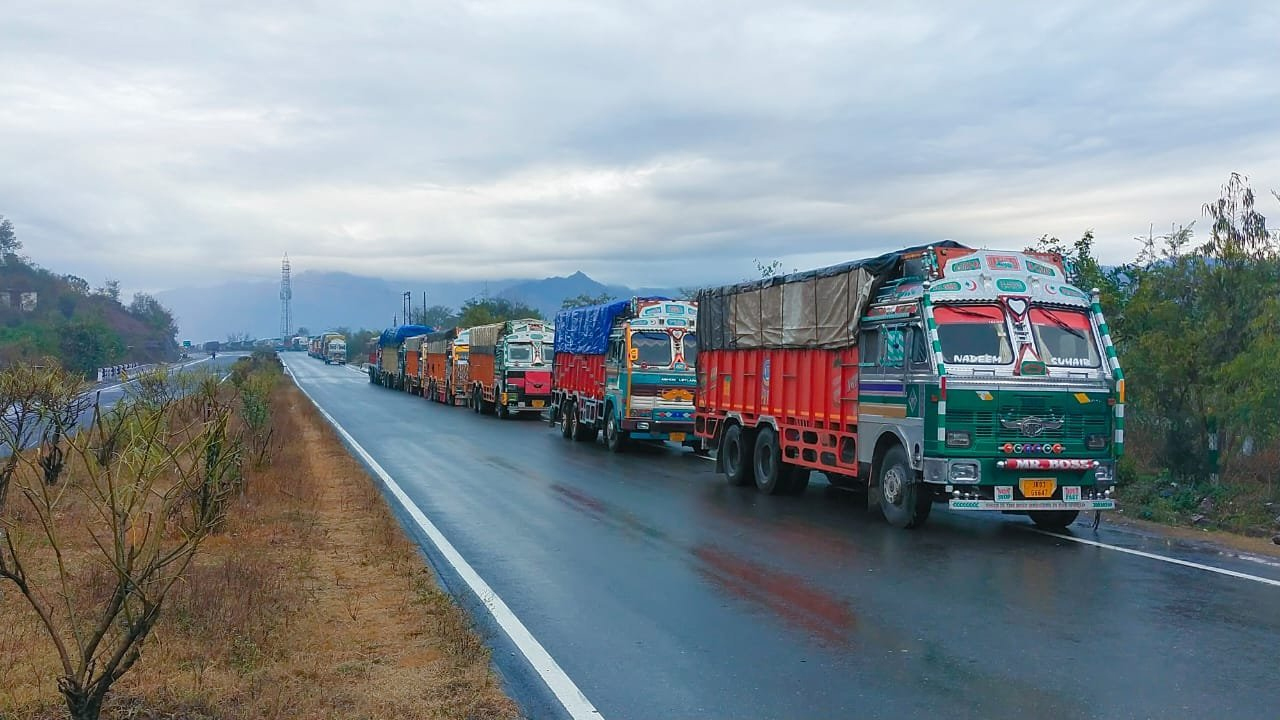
x: 149, y: 310
x: 153, y: 478
x: 302, y: 331
x: 78, y: 284
x: 10, y: 245
x: 436, y: 316
x: 586, y: 300
x: 88, y: 344
x: 110, y: 289
x: 485, y: 311
x: 768, y: 271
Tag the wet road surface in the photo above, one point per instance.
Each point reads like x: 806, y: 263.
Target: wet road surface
x: 664, y: 593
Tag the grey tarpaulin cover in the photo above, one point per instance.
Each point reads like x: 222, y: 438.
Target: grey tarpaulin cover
x: 413, y: 344
x: 485, y: 337
x: 396, y: 335
x: 437, y: 343
x: 585, y: 330
x: 811, y: 309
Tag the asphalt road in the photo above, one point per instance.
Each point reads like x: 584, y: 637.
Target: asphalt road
x: 664, y: 593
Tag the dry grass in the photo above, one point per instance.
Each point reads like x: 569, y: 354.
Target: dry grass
x: 310, y: 604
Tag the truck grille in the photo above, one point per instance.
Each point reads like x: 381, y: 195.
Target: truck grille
x: 987, y: 425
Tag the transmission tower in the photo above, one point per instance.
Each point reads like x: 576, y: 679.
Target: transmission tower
x: 286, y: 300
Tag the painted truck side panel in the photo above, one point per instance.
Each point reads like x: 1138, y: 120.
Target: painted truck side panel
x: 811, y: 395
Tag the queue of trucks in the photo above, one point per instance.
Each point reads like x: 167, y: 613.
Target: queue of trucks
x: 936, y: 375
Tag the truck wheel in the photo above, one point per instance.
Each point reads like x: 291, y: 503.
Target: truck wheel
x: 901, y: 500
x: 566, y: 421
x: 501, y: 410
x: 1053, y: 519
x: 735, y: 448
x: 772, y: 477
x: 614, y: 436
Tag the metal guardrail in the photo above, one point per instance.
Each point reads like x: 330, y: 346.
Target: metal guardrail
x: 117, y: 371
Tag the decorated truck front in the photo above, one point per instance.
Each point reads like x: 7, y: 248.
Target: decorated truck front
x: 509, y: 366
x: 626, y: 368
x: 335, y: 350
x: 981, y: 379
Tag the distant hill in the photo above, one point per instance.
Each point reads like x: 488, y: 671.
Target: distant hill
x: 331, y: 299
x: 43, y: 314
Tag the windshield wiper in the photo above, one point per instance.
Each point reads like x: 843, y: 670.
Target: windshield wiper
x: 971, y: 313
x: 1062, y: 324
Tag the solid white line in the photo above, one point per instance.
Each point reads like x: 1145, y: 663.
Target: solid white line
x: 577, y: 704
x: 1163, y: 558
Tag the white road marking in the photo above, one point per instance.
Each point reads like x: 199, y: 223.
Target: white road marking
x: 1162, y: 558
x: 565, y: 690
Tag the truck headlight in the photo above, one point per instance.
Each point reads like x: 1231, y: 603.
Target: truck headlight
x: 958, y: 439
x: 964, y: 473
x: 1096, y: 441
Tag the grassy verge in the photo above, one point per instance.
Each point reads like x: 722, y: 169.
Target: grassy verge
x: 310, y: 603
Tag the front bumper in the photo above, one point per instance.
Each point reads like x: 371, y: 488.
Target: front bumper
x: 1028, y: 505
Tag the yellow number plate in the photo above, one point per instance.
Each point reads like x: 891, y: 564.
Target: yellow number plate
x: 677, y: 437
x: 1038, y: 487
x: 538, y: 403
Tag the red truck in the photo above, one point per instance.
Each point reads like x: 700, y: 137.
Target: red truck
x: 509, y: 367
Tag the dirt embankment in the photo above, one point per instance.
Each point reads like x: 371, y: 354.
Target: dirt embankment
x: 310, y: 604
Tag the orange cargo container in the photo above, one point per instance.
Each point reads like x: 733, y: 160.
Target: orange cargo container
x: 437, y: 365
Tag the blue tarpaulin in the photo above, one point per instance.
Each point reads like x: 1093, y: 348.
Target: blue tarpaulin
x: 585, y: 330
x: 396, y: 335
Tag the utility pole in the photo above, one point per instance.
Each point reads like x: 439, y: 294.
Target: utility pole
x: 408, y: 307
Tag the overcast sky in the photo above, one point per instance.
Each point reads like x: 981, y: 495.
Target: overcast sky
x: 647, y: 143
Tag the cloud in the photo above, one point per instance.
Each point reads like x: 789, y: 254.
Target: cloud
x: 648, y: 143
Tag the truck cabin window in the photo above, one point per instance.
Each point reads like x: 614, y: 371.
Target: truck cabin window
x: 973, y: 335
x: 691, y: 349
x: 1065, y: 338
x: 652, y: 349
x: 520, y: 352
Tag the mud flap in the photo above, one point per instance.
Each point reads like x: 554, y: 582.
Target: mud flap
x: 719, y: 454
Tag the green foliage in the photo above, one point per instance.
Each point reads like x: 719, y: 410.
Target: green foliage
x: 10, y: 245
x: 88, y: 344
x: 586, y: 300
x: 149, y: 310
x: 1197, y: 327
x: 436, y: 316
x: 768, y: 270
x: 485, y: 311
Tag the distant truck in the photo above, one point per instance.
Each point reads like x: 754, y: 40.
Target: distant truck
x: 334, y: 349
x: 385, y: 360
x: 509, y: 367
x: 410, y: 364
x: 626, y: 368
x: 981, y: 379
x: 440, y: 368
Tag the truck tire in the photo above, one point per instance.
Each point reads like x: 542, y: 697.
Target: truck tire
x: 903, y: 503
x: 735, y: 448
x: 772, y: 476
x: 615, y: 438
x: 1053, y: 519
x: 500, y: 409
x: 566, y: 420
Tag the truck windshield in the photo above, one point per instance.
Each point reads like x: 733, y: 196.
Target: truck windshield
x: 520, y: 352
x: 1065, y: 338
x: 691, y: 349
x: 973, y: 335
x: 652, y: 349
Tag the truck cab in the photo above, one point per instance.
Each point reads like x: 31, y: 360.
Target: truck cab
x: 523, y: 367
x: 997, y: 375
x: 650, y: 373
x: 336, y: 352
x: 459, y: 375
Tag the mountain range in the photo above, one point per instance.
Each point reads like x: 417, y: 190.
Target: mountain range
x: 323, y: 300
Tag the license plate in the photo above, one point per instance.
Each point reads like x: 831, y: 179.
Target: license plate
x: 1038, y: 487
x: 539, y: 403
x: 677, y: 437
